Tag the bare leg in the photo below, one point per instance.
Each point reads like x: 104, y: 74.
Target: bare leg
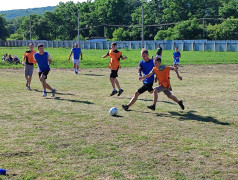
x: 29, y: 80
x: 113, y: 83
x: 44, y: 84
x: 77, y: 67
x: 155, y: 96
x: 134, y: 99
x: 117, y: 83
x: 173, y: 98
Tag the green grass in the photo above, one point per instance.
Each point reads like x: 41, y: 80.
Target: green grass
x: 92, y: 58
x: 72, y: 136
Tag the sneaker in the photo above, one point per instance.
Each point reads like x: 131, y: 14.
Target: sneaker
x: 53, y: 93
x: 29, y: 88
x: 113, y: 92
x: 125, y: 107
x: 152, y: 107
x: 181, y: 104
x: 44, y: 94
x: 120, y: 91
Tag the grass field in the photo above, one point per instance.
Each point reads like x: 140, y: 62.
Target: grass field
x: 72, y: 136
x: 92, y: 58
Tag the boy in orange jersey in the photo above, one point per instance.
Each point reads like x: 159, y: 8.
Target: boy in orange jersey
x: 162, y: 74
x: 28, y: 62
x: 114, y: 65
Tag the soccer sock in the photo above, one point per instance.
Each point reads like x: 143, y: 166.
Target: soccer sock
x: 114, y: 89
x: 44, y: 90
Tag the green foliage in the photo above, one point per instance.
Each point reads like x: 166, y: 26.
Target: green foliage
x: 16, y: 36
x: 4, y: 33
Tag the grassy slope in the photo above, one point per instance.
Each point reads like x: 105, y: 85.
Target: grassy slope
x: 73, y: 136
x: 92, y: 58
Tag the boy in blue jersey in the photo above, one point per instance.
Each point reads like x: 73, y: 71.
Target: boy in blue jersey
x: 43, y: 60
x: 77, y: 53
x: 176, y: 56
x: 145, y: 67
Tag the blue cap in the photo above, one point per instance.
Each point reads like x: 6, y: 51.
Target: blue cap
x: 3, y: 171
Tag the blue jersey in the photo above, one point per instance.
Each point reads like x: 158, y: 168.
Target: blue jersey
x: 146, y: 68
x: 42, y: 61
x: 77, y: 52
x: 176, y: 55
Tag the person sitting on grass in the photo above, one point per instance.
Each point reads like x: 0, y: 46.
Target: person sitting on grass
x: 10, y: 59
x: 114, y: 65
x: 162, y: 74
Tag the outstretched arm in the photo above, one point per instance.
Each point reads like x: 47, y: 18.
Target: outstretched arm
x: 123, y: 58
x: 105, y: 56
x: 176, y: 70
x: 146, y: 76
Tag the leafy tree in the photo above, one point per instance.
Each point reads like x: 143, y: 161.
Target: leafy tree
x: 4, y: 33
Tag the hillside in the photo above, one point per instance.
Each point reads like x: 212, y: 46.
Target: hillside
x: 11, y: 14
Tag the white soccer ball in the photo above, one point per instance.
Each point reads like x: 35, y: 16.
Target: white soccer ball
x: 113, y: 111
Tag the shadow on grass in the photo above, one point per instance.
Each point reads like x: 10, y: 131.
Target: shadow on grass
x: 17, y: 154
x: 93, y: 75
x: 59, y: 93
x: 191, y: 116
x: 150, y: 100
x: 117, y: 116
x: 70, y: 100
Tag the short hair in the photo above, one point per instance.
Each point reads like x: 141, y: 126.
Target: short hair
x: 158, y: 59
x: 113, y: 43
x: 31, y: 44
x: 40, y: 45
x: 144, y: 51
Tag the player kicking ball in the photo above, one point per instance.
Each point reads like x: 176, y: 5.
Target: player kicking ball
x: 114, y: 65
x: 43, y: 60
x: 77, y: 53
x: 145, y: 66
x: 162, y: 74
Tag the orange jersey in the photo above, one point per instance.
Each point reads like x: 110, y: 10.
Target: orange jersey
x: 30, y: 57
x: 115, y: 56
x: 163, y: 75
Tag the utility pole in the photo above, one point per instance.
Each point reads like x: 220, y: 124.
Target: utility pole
x: 78, y: 29
x: 203, y: 32
x: 142, y: 32
x: 29, y: 22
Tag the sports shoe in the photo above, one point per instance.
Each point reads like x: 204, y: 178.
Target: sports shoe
x: 113, y: 92
x: 125, y: 107
x: 44, y: 94
x: 29, y: 88
x: 181, y: 104
x: 120, y: 91
x: 152, y: 107
x: 53, y: 93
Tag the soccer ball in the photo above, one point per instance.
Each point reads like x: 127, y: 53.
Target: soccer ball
x: 113, y: 111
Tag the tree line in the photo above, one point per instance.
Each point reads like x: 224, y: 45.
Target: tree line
x: 122, y: 20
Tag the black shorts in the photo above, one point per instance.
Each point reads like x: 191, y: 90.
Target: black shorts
x: 46, y: 72
x: 146, y: 87
x: 114, y: 73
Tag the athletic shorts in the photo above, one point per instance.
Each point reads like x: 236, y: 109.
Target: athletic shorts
x: 114, y: 73
x: 45, y: 73
x: 158, y: 56
x: 146, y: 87
x: 176, y: 62
x: 163, y: 89
x: 29, y: 70
x: 76, y: 61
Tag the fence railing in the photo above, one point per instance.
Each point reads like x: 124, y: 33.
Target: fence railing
x: 183, y: 45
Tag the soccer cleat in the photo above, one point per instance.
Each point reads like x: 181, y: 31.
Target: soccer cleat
x: 113, y: 92
x: 152, y: 107
x: 181, y: 104
x: 120, y: 92
x: 44, y: 94
x: 53, y: 93
x: 125, y: 107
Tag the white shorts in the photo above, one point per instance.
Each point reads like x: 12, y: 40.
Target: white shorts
x: 158, y: 56
x: 176, y: 62
x: 76, y: 61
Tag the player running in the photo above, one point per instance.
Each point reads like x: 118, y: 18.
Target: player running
x: 28, y: 61
x: 77, y: 54
x: 162, y: 74
x: 176, y: 56
x: 145, y: 66
x: 114, y: 65
x: 43, y: 60
x: 159, y: 52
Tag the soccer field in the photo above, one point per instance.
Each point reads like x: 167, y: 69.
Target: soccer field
x: 72, y: 136
x: 93, y: 58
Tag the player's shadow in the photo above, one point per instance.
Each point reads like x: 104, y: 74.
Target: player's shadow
x: 59, y: 93
x: 148, y: 100
x: 117, y: 116
x: 191, y: 116
x: 93, y: 75
x: 70, y: 100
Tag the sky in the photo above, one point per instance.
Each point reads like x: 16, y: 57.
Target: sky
x: 25, y: 4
